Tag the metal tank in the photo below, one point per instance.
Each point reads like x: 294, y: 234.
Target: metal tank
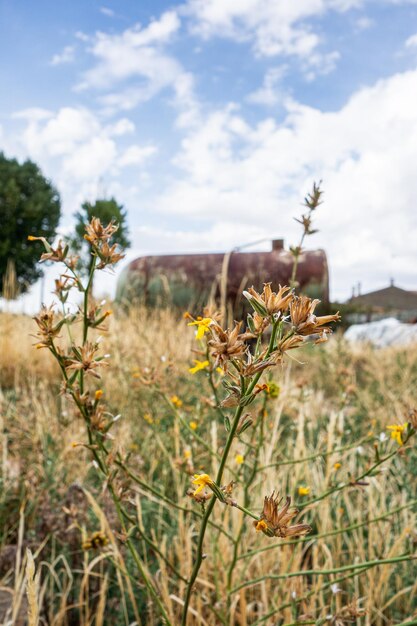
x: 187, y: 281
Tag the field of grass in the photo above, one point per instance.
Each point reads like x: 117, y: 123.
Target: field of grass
x: 318, y: 435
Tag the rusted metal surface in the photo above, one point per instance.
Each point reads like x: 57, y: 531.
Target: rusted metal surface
x: 192, y: 278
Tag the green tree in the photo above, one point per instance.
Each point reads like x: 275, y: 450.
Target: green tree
x: 106, y: 211
x: 29, y: 205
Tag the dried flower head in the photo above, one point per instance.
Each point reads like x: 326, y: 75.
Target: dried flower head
x: 227, y: 344
x: 57, y: 254
x: 305, y: 322
x: 274, y: 522
x: 85, y: 359
x: 96, y: 233
x: 48, y: 326
x: 269, y: 302
x: 108, y: 255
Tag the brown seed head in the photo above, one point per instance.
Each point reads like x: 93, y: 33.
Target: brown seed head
x: 275, y: 521
x: 96, y: 233
x: 227, y: 344
x: 270, y: 301
x: 305, y: 321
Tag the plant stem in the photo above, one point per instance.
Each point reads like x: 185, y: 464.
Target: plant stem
x: 325, y: 572
x: 236, y: 419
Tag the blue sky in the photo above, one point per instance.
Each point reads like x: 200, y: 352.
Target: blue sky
x: 210, y: 119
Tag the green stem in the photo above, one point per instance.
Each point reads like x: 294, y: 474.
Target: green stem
x: 325, y: 572
x: 236, y: 419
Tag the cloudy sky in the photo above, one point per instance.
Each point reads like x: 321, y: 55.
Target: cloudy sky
x: 210, y: 119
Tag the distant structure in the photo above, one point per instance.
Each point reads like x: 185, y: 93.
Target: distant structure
x: 389, y: 302
x: 188, y: 281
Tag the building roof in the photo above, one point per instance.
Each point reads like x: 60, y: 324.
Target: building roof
x: 391, y: 298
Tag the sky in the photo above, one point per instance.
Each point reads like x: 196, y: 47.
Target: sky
x: 209, y: 120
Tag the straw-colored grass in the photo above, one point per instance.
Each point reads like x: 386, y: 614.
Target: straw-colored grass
x: 320, y: 432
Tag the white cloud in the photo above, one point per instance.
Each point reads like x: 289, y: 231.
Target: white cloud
x: 77, y: 150
x: 133, y: 67
x: 272, y: 91
x: 136, y: 155
x: 121, y: 127
x: 273, y: 27
x: 107, y: 12
x: 134, y: 52
x: 255, y: 175
x: 364, y: 22
x: 66, y: 56
x: 411, y: 42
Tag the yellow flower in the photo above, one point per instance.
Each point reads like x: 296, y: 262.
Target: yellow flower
x: 261, y: 525
x: 148, y: 418
x: 199, y: 365
x: 201, y: 480
x: 397, y: 432
x: 193, y: 425
x: 303, y: 491
x: 337, y: 466
x: 176, y: 401
x: 220, y: 371
x: 203, y: 326
x: 239, y: 458
x: 98, y: 394
x: 187, y: 454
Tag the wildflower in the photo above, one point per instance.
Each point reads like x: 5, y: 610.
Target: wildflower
x: 258, y: 323
x: 176, y: 401
x: 303, y: 491
x: 269, y: 302
x: 274, y: 522
x: 148, y: 418
x: 220, y: 371
x: 97, y: 540
x: 239, y: 458
x: 273, y: 390
x: 203, y: 326
x: 253, y: 366
x: 98, y: 394
x: 201, y: 480
x: 397, y: 431
x: 187, y: 454
x: 193, y: 425
x: 260, y: 389
x: 97, y: 418
x: 304, y: 320
x: 97, y: 233
x: 198, y: 366
x: 108, y: 255
x: 261, y: 525
x: 48, y: 329
x: 287, y: 343
x: 227, y: 344
x: 337, y: 466
x: 84, y: 359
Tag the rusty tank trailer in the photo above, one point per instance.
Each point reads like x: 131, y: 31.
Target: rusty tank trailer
x: 188, y: 281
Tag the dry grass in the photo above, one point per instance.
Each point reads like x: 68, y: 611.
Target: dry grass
x: 333, y: 408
